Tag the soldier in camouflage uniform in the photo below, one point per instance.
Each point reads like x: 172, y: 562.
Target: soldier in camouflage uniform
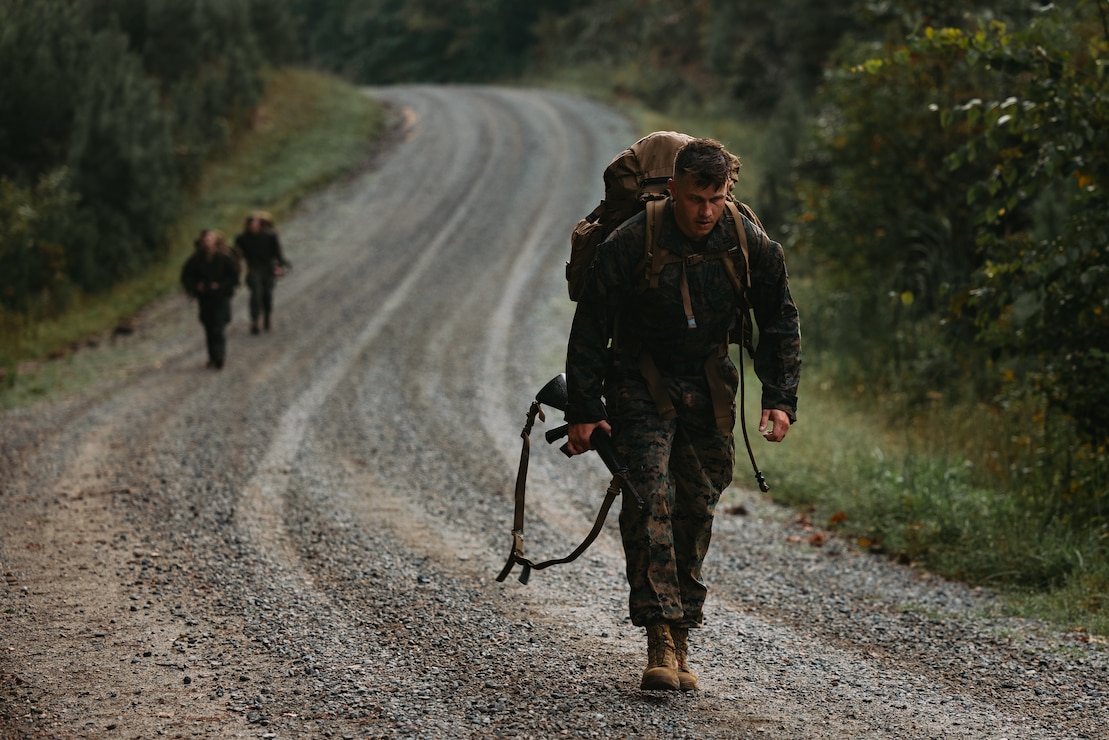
x: 674, y: 338
x: 210, y: 276
x: 259, y: 247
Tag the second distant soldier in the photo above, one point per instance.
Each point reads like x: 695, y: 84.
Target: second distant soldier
x: 260, y: 249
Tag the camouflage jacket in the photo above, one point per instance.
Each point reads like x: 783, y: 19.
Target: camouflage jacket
x: 222, y: 269
x: 654, y: 318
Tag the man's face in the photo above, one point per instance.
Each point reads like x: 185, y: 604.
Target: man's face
x: 696, y: 209
x: 255, y: 225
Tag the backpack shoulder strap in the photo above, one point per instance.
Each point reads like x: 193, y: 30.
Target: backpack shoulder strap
x: 655, y: 257
x: 655, y: 210
x: 741, y: 236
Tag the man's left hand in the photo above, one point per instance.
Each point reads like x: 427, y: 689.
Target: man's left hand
x: 774, y: 425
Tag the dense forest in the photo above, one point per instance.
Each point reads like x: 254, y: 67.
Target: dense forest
x: 940, y: 164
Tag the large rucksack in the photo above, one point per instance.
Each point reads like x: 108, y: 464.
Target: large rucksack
x: 634, y: 178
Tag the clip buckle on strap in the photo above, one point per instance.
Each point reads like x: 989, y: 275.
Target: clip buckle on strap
x: 655, y: 210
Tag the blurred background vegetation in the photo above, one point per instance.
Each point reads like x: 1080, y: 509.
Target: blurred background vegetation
x: 937, y: 170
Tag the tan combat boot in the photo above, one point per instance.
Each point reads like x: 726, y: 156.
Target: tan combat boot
x: 686, y: 678
x: 662, y: 666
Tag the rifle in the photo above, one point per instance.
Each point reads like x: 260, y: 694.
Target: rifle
x: 553, y: 394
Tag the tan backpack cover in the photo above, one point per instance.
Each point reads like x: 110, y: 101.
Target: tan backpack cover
x: 634, y: 176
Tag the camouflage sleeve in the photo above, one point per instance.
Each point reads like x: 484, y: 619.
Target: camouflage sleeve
x: 586, y: 360
x: 609, y: 279
x: 778, y: 355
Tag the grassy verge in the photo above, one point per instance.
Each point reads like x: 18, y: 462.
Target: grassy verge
x: 933, y: 484
x: 309, y: 130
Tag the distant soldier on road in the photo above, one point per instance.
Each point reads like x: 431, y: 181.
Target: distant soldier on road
x: 260, y: 249
x: 667, y: 382
x: 210, y: 276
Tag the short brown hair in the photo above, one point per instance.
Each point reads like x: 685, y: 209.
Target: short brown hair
x: 221, y: 239
x: 707, y: 162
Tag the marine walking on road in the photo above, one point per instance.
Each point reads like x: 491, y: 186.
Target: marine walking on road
x: 647, y: 361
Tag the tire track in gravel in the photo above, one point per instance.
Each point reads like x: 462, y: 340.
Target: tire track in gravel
x: 261, y: 513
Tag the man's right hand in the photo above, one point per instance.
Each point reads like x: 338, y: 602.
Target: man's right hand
x: 579, y: 434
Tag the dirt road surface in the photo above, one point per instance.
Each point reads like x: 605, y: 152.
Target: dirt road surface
x: 305, y: 543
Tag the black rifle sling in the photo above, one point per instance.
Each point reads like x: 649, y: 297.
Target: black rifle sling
x: 517, y: 553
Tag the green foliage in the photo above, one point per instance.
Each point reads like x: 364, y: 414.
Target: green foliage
x: 129, y: 98
x: 886, y: 224
x: 1041, y: 300
x: 121, y: 156
x: 388, y: 41
x: 206, y: 61
x: 949, y: 489
x: 762, y: 52
x: 955, y: 174
x: 876, y: 199
x: 34, y: 265
x: 47, y: 41
x: 951, y: 194
x: 709, y: 53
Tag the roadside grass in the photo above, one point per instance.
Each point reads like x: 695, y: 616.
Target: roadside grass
x: 886, y: 487
x: 310, y: 129
x: 938, y: 485
x: 929, y: 487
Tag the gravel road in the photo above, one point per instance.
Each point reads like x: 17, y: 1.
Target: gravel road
x: 305, y: 544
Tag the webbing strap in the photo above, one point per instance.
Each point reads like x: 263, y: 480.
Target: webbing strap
x: 614, y: 489
x: 687, y: 303
x: 718, y: 389
x: 741, y: 232
x: 656, y: 386
x: 517, y: 551
x: 516, y: 554
x: 657, y: 258
x: 655, y: 210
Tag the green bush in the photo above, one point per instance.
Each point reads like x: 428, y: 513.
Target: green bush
x: 129, y: 99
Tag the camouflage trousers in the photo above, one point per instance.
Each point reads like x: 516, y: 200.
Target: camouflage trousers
x: 679, y: 466
x: 260, y: 282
